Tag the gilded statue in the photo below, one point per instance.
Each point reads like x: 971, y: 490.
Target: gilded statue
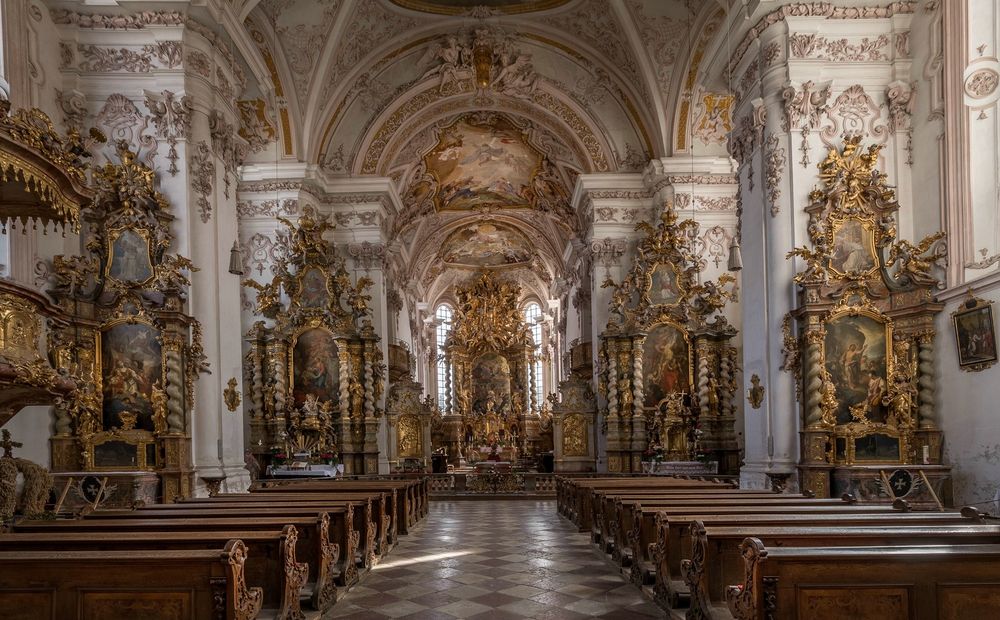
x: 357, y: 397
x: 828, y: 398
x: 158, y: 400
x: 713, y: 395
x: 913, y: 261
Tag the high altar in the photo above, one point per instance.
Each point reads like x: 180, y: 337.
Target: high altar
x: 865, y: 343
x: 667, y: 368
x: 314, y: 368
x: 489, y: 353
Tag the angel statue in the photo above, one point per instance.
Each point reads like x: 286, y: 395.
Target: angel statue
x: 913, y: 261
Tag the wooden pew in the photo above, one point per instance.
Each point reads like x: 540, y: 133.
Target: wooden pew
x: 201, y: 584
x: 583, y: 501
x: 576, y: 490
x: 606, y: 515
x: 274, y: 568
x: 716, y: 562
x: 310, y: 529
x: 673, y: 541
x: 411, y: 495
x: 618, y: 524
x: 867, y: 583
x: 373, y: 523
x: 385, y: 515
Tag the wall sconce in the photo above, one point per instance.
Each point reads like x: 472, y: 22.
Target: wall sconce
x: 236, y: 259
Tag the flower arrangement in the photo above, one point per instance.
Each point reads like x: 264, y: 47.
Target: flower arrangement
x: 653, y: 453
x: 278, y: 456
x: 329, y: 458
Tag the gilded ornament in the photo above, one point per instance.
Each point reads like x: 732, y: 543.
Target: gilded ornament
x: 755, y: 394
x: 231, y: 395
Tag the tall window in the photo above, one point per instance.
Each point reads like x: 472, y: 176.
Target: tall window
x: 533, y: 316
x: 444, y: 316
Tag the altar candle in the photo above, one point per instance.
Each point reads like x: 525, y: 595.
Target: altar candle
x: 927, y: 455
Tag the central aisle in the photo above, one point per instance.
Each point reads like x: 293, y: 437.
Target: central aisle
x: 494, y: 559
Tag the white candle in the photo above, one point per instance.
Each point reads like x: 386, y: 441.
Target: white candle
x: 927, y: 455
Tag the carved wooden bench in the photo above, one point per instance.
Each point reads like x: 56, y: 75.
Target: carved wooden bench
x: 412, y: 494
x: 312, y: 548
x: 372, y: 523
x: 384, y: 512
x: 201, y: 584
x: 867, y: 583
x: 581, y: 502
x: 274, y: 568
x: 663, y: 538
x: 716, y: 562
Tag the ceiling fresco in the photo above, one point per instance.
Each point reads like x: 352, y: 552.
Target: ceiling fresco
x: 485, y: 244
x: 458, y: 7
x: 485, y: 160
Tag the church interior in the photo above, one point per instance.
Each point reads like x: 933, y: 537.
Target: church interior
x: 499, y: 309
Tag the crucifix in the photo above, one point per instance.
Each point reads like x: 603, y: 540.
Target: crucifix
x: 8, y: 443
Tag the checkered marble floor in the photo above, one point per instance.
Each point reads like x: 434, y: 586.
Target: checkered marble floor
x: 494, y: 559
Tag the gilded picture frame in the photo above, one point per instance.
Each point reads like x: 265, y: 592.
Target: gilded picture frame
x: 975, y: 334
x: 663, y: 287
x: 123, y: 266
x: 308, y: 297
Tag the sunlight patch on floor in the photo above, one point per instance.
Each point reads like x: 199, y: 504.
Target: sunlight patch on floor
x: 419, y: 560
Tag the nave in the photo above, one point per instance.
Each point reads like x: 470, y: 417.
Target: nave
x: 494, y: 559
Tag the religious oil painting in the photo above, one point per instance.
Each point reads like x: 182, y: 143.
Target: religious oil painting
x: 483, y: 161
x: 315, y: 366
x: 312, y: 291
x: 129, y: 259
x: 131, y: 366
x: 853, y: 249
x: 665, y: 363
x: 664, y: 288
x: 486, y: 244
x: 490, y: 383
x: 856, y: 349
x: 976, y: 335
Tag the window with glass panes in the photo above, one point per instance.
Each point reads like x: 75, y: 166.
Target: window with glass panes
x: 532, y: 316
x: 443, y: 315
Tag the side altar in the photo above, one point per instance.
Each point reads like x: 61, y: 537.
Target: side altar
x: 134, y: 351
x: 314, y: 367
x: 667, y: 366
x: 863, y: 344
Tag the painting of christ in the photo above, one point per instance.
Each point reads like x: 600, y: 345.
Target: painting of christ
x: 856, y: 359
x: 665, y: 364
x: 315, y: 367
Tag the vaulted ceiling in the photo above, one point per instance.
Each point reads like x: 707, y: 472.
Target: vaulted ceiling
x: 376, y: 87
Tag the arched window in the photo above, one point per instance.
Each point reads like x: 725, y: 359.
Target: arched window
x: 444, y: 315
x: 533, y: 316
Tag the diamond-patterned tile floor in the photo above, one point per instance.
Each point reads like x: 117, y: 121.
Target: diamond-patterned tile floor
x: 494, y: 559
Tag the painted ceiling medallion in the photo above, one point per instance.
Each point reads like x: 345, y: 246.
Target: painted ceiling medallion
x: 484, y: 160
x: 459, y: 7
x: 486, y: 244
